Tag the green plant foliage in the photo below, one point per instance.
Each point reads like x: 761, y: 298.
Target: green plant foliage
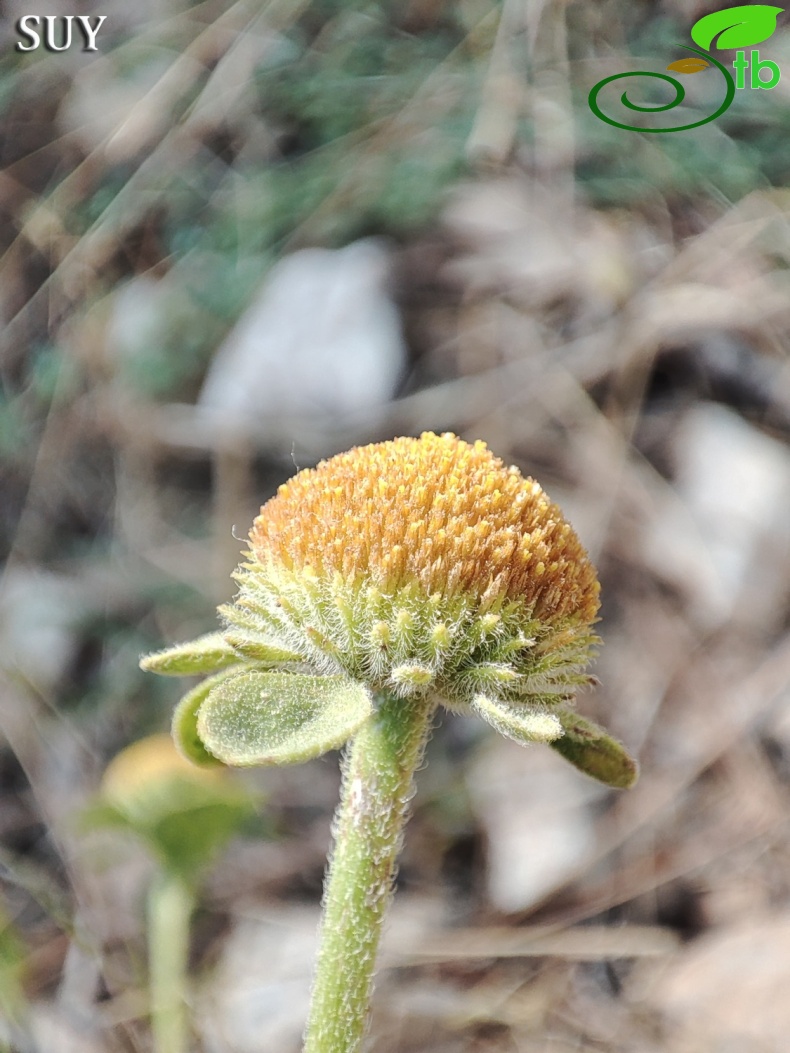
x: 593, y: 751
x: 678, y: 167
x: 365, y: 126
x: 189, y: 837
x: 182, y: 826
x: 185, y: 733
x: 13, y: 961
x: 15, y: 430
x: 280, y: 718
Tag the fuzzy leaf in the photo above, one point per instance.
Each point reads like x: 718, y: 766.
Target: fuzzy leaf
x: 206, y: 654
x: 185, y: 733
x: 518, y: 722
x: 688, y: 65
x: 280, y: 718
x: 736, y: 27
x: 593, y: 751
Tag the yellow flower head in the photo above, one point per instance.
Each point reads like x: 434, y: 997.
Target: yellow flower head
x: 436, y: 512
x: 421, y: 565
x: 147, y: 765
x: 418, y: 569
x: 183, y: 812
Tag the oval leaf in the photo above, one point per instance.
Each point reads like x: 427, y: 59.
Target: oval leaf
x: 520, y: 723
x: 688, y: 65
x: 595, y: 752
x: 280, y: 718
x: 185, y: 733
x: 206, y: 654
x: 736, y: 27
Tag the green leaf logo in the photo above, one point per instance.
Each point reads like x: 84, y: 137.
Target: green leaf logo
x: 688, y: 65
x: 736, y: 27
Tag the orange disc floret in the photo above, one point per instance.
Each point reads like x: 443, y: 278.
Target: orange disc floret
x: 435, y: 511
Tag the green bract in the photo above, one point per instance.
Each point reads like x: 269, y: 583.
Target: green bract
x: 252, y: 714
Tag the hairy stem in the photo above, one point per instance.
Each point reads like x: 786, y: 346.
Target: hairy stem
x: 170, y: 904
x: 378, y: 776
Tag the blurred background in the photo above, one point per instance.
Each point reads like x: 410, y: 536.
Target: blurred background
x: 243, y: 236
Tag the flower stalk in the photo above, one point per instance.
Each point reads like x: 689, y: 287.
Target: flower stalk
x: 170, y: 905
x: 378, y: 779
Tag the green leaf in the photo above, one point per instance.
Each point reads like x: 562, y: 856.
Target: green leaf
x: 280, y: 718
x: 736, y: 27
x: 206, y: 654
x: 190, y: 835
x: 518, y: 722
x: 593, y: 751
x: 185, y: 733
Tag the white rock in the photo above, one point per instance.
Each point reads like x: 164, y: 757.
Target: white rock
x: 38, y: 614
x: 136, y: 318
x: 322, y: 338
x: 52, y: 1028
x: 259, y: 995
x: 735, y: 481
x: 535, y: 810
